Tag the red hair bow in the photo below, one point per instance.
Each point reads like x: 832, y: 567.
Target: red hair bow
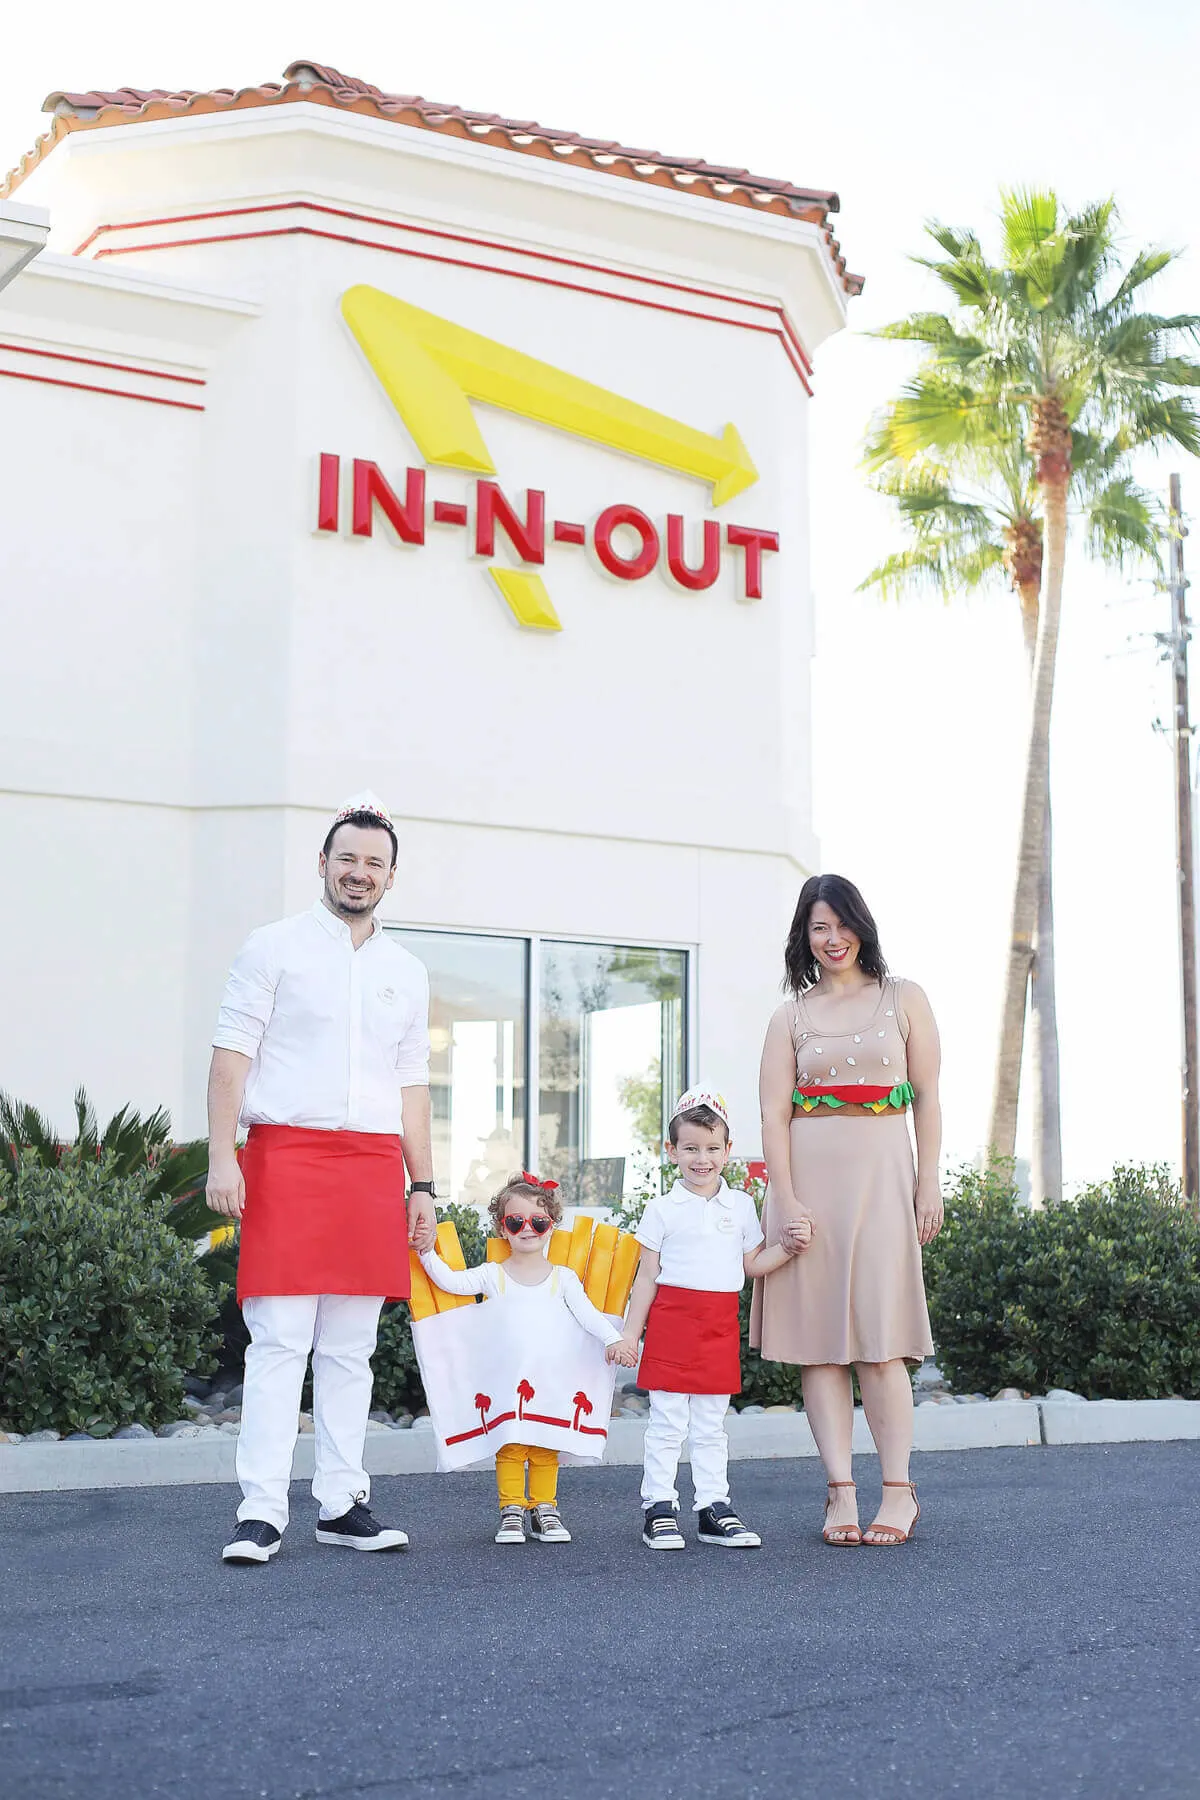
x: 548, y: 1187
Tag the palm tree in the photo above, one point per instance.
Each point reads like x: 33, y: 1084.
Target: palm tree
x: 524, y: 1393
x: 483, y: 1406
x: 1054, y: 333
x: 583, y: 1406
x: 972, y: 519
x: 133, y: 1144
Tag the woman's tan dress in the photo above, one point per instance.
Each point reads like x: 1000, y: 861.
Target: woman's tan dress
x: 857, y: 1293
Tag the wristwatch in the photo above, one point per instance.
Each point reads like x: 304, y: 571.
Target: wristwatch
x: 423, y: 1187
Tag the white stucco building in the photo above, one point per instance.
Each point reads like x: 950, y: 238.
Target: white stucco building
x: 264, y: 546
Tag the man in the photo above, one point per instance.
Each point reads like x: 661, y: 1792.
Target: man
x: 322, y: 1050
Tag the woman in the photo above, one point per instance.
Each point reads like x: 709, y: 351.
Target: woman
x: 846, y: 1055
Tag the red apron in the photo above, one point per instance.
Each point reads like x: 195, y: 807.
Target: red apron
x: 324, y: 1213
x: 693, y: 1345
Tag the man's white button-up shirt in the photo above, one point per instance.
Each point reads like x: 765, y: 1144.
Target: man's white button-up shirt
x: 334, y: 1032
x: 701, y: 1242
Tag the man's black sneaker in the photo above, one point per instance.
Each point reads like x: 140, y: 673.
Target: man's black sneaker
x: 359, y: 1529
x: 254, y: 1541
x: 660, y: 1527
x: 720, y: 1525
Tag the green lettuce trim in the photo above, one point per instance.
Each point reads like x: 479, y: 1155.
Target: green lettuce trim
x: 901, y: 1096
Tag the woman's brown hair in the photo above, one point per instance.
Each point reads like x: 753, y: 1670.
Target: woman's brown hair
x: 800, y: 965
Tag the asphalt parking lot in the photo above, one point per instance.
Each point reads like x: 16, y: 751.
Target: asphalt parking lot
x: 1038, y: 1637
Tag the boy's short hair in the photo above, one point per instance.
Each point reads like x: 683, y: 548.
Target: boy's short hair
x: 696, y: 1115
x: 517, y: 1188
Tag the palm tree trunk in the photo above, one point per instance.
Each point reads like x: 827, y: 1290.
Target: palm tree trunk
x: 1031, y: 853
x: 1045, y: 1174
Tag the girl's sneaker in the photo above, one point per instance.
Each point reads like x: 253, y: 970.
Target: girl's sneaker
x: 660, y: 1528
x: 512, y: 1525
x: 719, y: 1524
x: 546, y: 1524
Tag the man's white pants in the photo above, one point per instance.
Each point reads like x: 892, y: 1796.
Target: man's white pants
x: 340, y: 1331
x: 674, y: 1417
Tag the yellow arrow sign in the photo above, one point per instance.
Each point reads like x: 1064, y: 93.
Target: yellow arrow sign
x: 431, y: 370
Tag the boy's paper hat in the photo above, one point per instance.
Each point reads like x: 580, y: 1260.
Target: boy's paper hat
x: 702, y: 1097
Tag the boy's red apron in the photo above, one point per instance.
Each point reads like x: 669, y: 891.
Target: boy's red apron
x: 324, y: 1213
x: 693, y: 1345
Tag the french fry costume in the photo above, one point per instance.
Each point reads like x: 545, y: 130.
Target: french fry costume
x: 522, y: 1376
x: 857, y: 1293
x: 334, y: 1034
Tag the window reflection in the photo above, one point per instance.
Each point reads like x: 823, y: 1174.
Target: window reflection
x: 477, y: 1031
x: 610, y: 1047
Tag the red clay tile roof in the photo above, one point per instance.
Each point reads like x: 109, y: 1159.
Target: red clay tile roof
x: 316, y: 82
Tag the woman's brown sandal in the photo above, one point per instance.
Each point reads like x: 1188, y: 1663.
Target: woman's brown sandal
x: 894, y: 1535
x: 848, y: 1535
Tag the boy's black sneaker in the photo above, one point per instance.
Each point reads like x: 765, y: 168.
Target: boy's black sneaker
x: 254, y: 1541
x: 720, y: 1525
x: 660, y: 1527
x: 359, y: 1529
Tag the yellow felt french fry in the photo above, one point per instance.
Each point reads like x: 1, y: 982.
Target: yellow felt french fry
x: 498, y: 1250
x: 560, y: 1247
x: 599, y: 1264
x: 422, y: 1302
x: 451, y: 1253
x: 581, y: 1243
x: 620, y: 1280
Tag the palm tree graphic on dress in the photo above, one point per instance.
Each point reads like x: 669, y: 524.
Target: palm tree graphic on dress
x: 583, y: 1405
x: 483, y: 1405
x: 524, y: 1393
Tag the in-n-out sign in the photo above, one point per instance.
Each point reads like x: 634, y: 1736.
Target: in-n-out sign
x: 431, y: 369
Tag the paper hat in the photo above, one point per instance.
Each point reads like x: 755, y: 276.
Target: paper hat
x: 366, y: 802
x: 702, y: 1097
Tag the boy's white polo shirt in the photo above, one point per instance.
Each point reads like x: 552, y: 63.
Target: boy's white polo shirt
x: 701, y: 1242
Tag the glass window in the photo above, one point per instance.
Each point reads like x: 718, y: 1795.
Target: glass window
x: 610, y: 1063
x: 477, y: 1031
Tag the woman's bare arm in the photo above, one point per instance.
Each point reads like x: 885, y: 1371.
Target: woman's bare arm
x: 776, y: 1084
x: 924, y: 1068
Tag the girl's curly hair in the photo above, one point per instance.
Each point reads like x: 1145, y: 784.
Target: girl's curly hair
x: 516, y: 1187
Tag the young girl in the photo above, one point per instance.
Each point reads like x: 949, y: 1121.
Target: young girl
x: 700, y: 1242
x: 535, y: 1296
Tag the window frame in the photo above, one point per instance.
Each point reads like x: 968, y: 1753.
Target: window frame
x: 533, y: 942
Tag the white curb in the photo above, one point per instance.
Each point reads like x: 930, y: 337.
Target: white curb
x: 166, y: 1462
x: 1119, y: 1421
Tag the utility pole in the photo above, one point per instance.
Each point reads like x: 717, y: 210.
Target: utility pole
x: 1181, y: 735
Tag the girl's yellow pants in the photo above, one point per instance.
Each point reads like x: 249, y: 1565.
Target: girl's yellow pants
x: 510, y: 1475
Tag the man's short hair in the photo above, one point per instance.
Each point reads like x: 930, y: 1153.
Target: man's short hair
x: 367, y: 821
x: 696, y: 1115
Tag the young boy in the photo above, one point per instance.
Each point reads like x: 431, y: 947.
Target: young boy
x: 699, y: 1242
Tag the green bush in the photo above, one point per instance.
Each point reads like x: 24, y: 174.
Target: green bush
x: 397, y: 1378
x: 1100, y: 1294
x: 103, y: 1309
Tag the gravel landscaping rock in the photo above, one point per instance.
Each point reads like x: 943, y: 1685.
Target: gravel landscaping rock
x: 1063, y: 1394
x: 134, y: 1431
x: 181, y: 1428
x: 43, y: 1437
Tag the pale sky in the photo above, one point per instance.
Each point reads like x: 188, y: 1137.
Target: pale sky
x: 909, y: 112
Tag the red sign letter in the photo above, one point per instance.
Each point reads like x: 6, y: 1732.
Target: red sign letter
x: 327, y: 493
x: 694, y: 579
x: 528, y: 539
x: 753, y: 542
x: 372, y: 489
x: 630, y: 568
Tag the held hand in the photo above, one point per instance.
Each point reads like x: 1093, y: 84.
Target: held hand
x: 624, y: 1351
x: 797, y: 1236
x: 225, y: 1191
x: 422, y: 1222
x: 927, y: 1204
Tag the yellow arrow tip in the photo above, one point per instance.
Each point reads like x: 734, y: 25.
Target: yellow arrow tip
x: 528, y: 597
x: 741, y: 472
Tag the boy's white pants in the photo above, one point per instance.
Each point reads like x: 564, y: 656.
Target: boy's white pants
x: 340, y: 1331
x: 674, y: 1417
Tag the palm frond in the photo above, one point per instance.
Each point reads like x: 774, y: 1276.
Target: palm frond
x: 86, y: 1140
x: 1124, y: 524
x: 23, y: 1127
